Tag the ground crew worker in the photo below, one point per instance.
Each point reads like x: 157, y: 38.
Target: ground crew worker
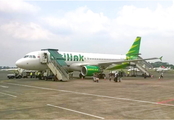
x: 161, y: 76
x: 128, y: 74
x: 145, y: 75
x: 31, y: 74
x: 95, y: 77
x: 45, y: 75
x: 120, y: 75
x: 39, y: 75
x: 116, y: 77
x: 110, y: 76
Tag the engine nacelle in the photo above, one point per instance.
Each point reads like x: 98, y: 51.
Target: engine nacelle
x: 89, y: 70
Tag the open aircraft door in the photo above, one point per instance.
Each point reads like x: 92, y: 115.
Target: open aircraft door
x: 43, y: 57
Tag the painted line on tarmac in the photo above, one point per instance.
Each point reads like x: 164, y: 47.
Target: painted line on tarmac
x: 75, y: 111
x: 8, y: 94
x: 4, y: 86
x: 95, y: 95
x: 166, y: 101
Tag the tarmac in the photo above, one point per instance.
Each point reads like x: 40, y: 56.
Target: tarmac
x: 132, y: 98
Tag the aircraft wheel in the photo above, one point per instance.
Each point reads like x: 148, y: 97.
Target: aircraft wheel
x: 81, y: 76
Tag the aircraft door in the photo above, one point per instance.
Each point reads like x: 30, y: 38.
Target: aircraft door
x: 44, y: 57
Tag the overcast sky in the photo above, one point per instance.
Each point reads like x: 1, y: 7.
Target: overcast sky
x: 86, y: 26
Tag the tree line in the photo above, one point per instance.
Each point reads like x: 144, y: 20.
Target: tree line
x: 159, y: 64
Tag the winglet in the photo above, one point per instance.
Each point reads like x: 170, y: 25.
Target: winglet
x: 161, y: 58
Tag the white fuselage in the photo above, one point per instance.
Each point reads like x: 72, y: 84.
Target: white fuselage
x: 74, y: 60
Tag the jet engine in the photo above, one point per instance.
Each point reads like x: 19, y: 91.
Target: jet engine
x: 89, y: 70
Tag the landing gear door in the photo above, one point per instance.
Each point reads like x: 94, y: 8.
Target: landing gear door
x: 44, y: 57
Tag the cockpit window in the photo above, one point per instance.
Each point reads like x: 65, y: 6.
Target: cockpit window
x: 26, y: 56
x: 29, y: 56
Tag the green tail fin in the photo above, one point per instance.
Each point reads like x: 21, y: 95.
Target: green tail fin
x: 134, y: 50
x: 131, y: 55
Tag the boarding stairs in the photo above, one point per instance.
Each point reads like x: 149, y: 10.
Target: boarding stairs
x: 143, y: 70
x: 143, y: 66
x: 58, y: 70
x: 57, y: 65
x: 144, y: 63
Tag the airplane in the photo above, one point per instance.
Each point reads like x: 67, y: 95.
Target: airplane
x: 162, y: 69
x: 85, y: 63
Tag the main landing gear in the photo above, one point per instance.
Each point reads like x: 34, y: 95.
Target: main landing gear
x: 81, y: 76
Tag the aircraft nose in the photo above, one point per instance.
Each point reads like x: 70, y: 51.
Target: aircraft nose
x: 20, y: 63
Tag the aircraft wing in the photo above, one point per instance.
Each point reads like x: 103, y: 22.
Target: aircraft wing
x: 106, y: 64
x: 125, y: 61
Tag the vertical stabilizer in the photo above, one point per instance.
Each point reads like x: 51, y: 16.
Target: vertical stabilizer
x: 134, y: 50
